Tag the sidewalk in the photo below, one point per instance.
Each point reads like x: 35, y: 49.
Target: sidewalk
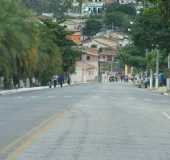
x: 163, y: 91
x: 13, y: 91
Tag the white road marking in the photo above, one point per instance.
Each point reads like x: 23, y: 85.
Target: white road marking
x: 96, y: 97
x: 51, y: 96
x: 166, y: 115
x: 147, y: 100
x: 164, y: 102
x: 68, y: 96
x: 19, y: 97
x: 33, y: 97
x: 131, y: 98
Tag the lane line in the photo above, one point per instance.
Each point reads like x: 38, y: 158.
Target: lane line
x: 20, y: 97
x: 33, y: 97
x: 51, y: 96
x: 68, y: 96
x: 131, y: 98
x: 166, y: 115
x: 17, y: 147
x: 148, y: 100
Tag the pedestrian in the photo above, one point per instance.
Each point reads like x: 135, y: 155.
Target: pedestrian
x: 55, y: 83
x: 146, y: 82
x: 69, y: 81
x: 61, y: 80
x: 50, y: 83
x: 122, y: 77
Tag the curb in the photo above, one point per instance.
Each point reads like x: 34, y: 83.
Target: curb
x: 22, y: 90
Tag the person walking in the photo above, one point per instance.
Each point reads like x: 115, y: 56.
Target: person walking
x: 61, y: 80
x: 69, y: 81
x: 55, y: 83
x: 146, y: 82
x: 50, y: 83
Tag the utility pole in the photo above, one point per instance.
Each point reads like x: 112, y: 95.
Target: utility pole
x: 157, y: 69
x: 168, y: 79
x: 169, y: 61
x: 150, y: 72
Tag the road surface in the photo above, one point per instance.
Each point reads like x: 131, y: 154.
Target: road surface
x: 85, y: 122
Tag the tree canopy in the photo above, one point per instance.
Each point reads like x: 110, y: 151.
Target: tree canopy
x: 92, y: 26
x: 118, y: 15
x: 30, y: 47
x: 57, y: 7
x: 150, y: 30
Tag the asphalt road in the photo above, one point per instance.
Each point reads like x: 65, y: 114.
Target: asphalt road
x: 86, y: 122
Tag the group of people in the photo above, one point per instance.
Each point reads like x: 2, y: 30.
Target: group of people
x: 144, y: 80
x: 59, y: 80
x: 119, y: 77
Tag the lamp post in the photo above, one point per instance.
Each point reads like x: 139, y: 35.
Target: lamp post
x: 169, y: 61
x: 168, y: 79
x: 150, y: 70
x: 156, y: 47
x: 157, y: 69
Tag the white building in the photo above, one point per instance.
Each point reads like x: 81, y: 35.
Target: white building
x: 126, y: 1
x: 92, y: 7
x: 87, y: 68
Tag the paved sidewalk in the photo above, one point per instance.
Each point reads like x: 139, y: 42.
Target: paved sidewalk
x: 13, y: 91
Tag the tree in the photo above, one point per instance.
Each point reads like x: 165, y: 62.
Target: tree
x: 119, y: 16
x: 132, y: 56
x: 92, y: 26
x: 117, y: 19
x: 58, y: 7
x: 146, y: 30
x: 128, y: 9
x: 30, y: 48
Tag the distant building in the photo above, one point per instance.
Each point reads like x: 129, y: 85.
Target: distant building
x: 75, y: 37
x: 87, y: 69
x: 126, y: 1
x: 92, y: 7
x: 73, y: 25
x: 88, y: 7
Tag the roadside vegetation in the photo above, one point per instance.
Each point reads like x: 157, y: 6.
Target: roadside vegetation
x: 116, y: 17
x: 150, y: 32
x: 31, y: 48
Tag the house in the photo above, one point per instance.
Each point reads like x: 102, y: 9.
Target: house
x: 92, y: 7
x: 87, y: 67
x: 73, y: 25
x: 75, y: 37
x: 126, y: 1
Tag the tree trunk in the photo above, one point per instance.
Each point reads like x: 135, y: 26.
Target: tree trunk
x: 168, y: 79
x: 151, y: 78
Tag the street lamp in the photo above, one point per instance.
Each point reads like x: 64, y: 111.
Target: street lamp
x: 157, y: 67
x: 168, y: 79
x: 156, y: 47
x: 150, y: 69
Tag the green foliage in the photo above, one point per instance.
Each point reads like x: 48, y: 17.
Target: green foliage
x: 132, y: 56
x: 92, y: 27
x: 151, y: 59
x: 146, y: 30
x: 30, y: 48
x: 151, y: 28
x: 128, y: 9
x: 58, y: 7
x: 117, y: 19
x: 120, y: 16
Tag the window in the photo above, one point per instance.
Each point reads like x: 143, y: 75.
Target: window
x: 88, y: 58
